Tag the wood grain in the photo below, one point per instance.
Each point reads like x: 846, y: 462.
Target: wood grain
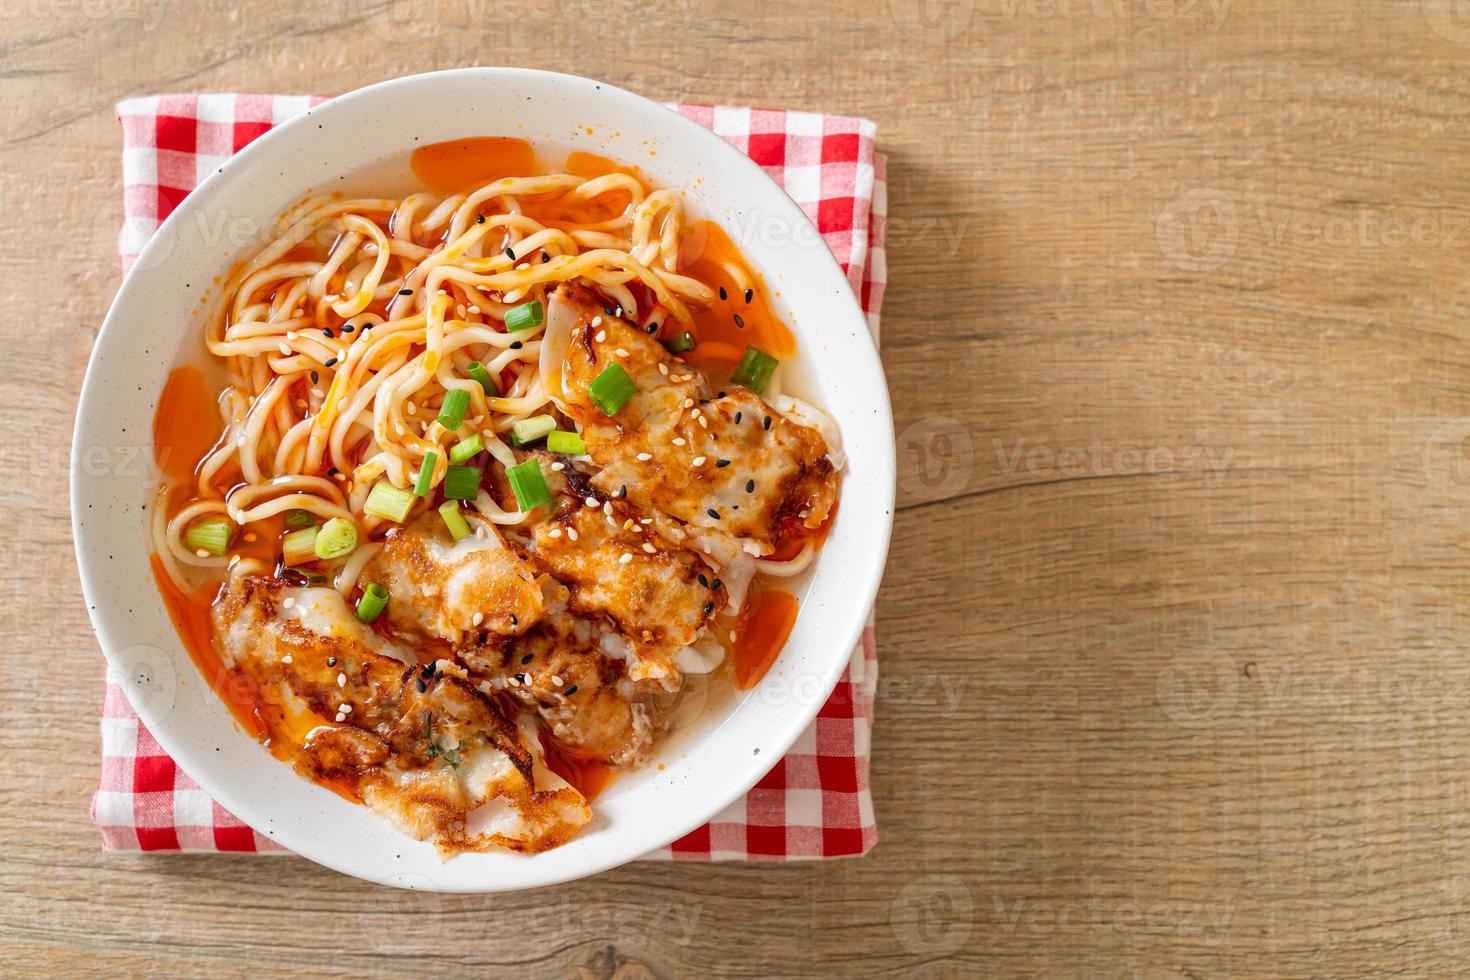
x: 1173, y: 630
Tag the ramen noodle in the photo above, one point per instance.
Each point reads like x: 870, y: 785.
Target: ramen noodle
x: 497, y: 471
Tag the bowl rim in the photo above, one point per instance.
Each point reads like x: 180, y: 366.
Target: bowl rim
x: 859, y: 586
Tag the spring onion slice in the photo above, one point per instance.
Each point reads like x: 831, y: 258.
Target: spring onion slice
x: 459, y: 528
x: 297, y: 517
x: 681, y: 343
x: 466, y: 447
x: 424, y: 482
x: 305, y: 574
x: 529, y: 484
x: 211, y: 535
x: 531, y: 429
x: 388, y: 502
x: 566, y: 443
x: 374, y: 600
x: 456, y: 403
x: 462, y: 483
x: 299, y: 546
x: 477, y: 372
x: 527, y: 316
x: 755, y: 369
x: 611, y: 389
x: 336, y: 539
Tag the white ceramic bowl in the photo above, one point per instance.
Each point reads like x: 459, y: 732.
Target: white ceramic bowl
x: 157, y: 321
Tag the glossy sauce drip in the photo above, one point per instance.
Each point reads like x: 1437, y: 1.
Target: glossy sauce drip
x: 764, y: 625
x: 587, y: 776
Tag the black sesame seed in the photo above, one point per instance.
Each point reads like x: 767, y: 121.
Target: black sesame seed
x: 513, y: 620
x: 709, y: 607
x: 702, y: 580
x: 315, y: 377
x: 348, y: 328
x: 739, y: 321
x: 722, y: 463
x: 516, y: 345
x: 327, y: 332
x: 510, y: 253
x: 545, y: 257
x: 750, y: 486
x: 405, y: 292
x: 716, y: 584
x: 331, y: 661
x: 521, y: 678
x: 737, y: 417
x: 329, y: 362
x: 479, y: 219
x: 421, y: 686
x: 749, y: 295
x: 713, y: 513
x: 767, y: 422
x: 607, y: 310
x: 527, y: 658
x: 652, y: 328
x: 331, y: 471
x: 723, y: 294
x: 623, y: 490
x: 571, y: 690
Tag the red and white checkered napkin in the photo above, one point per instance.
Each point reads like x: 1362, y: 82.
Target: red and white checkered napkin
x: 816, y: 802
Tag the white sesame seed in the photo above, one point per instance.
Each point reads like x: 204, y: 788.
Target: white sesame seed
x: 572, y: 533
x: 698, y: 461
x: 479, y: 618
x: 678, y: 440
x: 202, y: 552
x: 597, y: 321
x: 601, y: 336
x: 689, y: 403
x: 554, y: 533
x: 513, y: 682
x: 289, y: 602
x: 625, y: 559
x: 646, y: 520
x: 485, y: 687
x: 341, y: 680
x: 513, y: 295
x: 317, y: 393
x: 703, y: 423
x: 556, y: 679
x: 592, y: 503
x: 558, y: 466
x: 620, y: 352
x: 607, y: 508
x: 644, y: 457
x: 291, y: 335
x: 459, y: 310
x: 285, y: 351
x: 649, y: 548
x: 474, y: 309
x: 411, y: 408
x: 346, y: 709
x: 286, y: 659
x: 663, y: 369
x: 522, y: 265
x: 341, y: 716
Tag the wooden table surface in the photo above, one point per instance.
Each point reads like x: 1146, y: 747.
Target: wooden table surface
x: 1174, y: 627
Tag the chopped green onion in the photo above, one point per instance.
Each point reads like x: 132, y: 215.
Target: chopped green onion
x: 566, y: 443
x: 211, y: 534
x: 337, y: 538
x: 462, y: 483
x: 466, y: 447
x: 681, y: 343
x: 307, y: 575
x: 477, y: 372
x: 527, y: 316
x: 374, y: 600
x: 388, y: 502
x: 531, y: 429
x: 611, y: 389
x: 425, y: 480
x: 299, y: 518
x: 529, y: 484
x: 299, y: 546
x: 456, y: 403
x: 459, y: 528
x: 755, y: 369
